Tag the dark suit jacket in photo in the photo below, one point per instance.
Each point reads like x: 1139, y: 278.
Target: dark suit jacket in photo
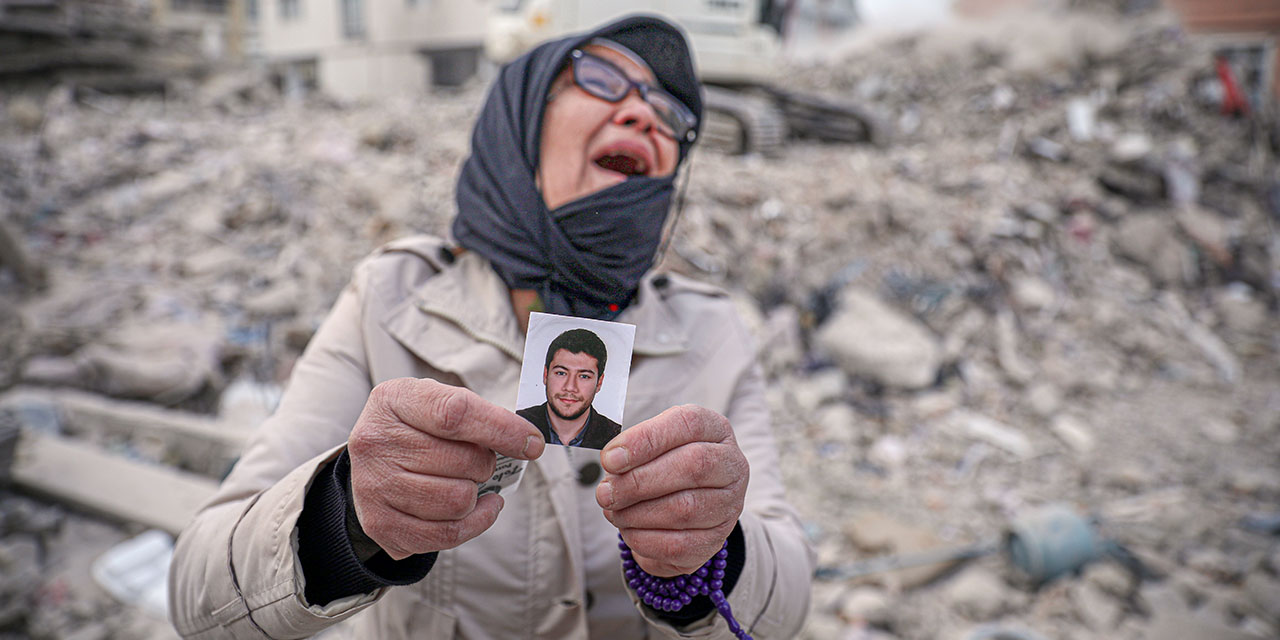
x: 598, y: 431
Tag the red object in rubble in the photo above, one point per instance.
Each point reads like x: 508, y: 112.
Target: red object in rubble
x: 1233, y: 102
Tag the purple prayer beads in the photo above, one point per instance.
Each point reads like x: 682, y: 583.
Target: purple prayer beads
x: 672, y: 594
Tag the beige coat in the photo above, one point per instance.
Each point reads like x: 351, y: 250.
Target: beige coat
x: 549, y: 567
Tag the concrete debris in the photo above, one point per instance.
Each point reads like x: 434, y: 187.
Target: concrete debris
x: 1074, y: 432
x: 1173, y: 619
x: 992, y: 432
x: 1220, y: 431
x: 979, y: 594
x: 1100, y: 612
x: 880, y: 534
x: 872, y: 340
x: 869, y: 605
x: 1151, y: 241
x: 889, y: 453
x: 1031, y: 293
x: 166, y: 363
x: 1043, y: 399
x: 1110, y: 578
x: 1059, y: 284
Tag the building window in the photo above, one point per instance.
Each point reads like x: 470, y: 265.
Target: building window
x: 212, y: 7
x: 352, y: 18
x: 290, y: 9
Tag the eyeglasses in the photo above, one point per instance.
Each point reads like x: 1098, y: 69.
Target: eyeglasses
x: 606, y: 81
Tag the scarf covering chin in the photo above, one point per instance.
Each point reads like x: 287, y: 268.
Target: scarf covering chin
x: 587, y: 257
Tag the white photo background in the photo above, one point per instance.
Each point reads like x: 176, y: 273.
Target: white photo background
x: 618, y: 339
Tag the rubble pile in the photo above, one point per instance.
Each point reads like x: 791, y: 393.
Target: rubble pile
x: 93, y: 45
x: 1059, y: 284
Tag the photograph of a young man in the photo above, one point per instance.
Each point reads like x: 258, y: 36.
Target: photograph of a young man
x: 573, y: 374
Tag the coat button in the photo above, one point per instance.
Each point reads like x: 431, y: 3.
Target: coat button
x: 588, y: 474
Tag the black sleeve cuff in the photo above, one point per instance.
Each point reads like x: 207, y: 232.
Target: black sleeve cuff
x: 701, y: 605
x: 329, y: 561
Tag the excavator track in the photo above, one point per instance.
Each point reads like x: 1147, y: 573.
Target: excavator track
x: 759, y: 119
x: 810, y: 116
x: 742, y: 122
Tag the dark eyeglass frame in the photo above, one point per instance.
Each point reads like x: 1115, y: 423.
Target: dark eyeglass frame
x: 678, y: 121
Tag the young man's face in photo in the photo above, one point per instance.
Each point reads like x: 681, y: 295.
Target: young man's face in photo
x: 572, y: 381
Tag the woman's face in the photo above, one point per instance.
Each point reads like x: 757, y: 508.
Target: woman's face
x: 589, y: 144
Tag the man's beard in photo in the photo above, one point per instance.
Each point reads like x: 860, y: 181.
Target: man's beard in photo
x: 575, y: 416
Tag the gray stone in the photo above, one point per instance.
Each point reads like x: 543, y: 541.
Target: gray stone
x: 1130, y: 477
x: 1074, y: 432
x: 1082, y: 118
x: 1213, y: 564
x: 1264, y: 596
x: 872, y: 340
x: 19, y: 568
x: 280, y: 299
x: 1041, y: 212
x: 992, y: 432
x: 1220, y: 431
x: 1098, y: 610
x: 978, y: 594
x: 23, y: 515
x: 25, y: 112
x: 878, y: 533
x: 1031, y: 293
x: 1208, y: 231
x: 1110, y: 578
x: 1254, y: 482
x: 818, y: 388
x: 867, y: 604
x: 934, y: 404
x: 1131, y: 147
x: 1011, y: 362
x: 1241, y: 311
x: 1044, y: 399
x: 781, y: 345
x: 1150, y: 241
x: 837, y: 422
x: 91, y: 631
x: 888, y: 452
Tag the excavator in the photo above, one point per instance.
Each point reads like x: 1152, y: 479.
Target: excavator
x: 737, y: 46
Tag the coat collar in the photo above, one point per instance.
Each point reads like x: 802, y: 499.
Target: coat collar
x: 479, y: 303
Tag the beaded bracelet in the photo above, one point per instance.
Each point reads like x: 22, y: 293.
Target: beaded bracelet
x: 672, y: 594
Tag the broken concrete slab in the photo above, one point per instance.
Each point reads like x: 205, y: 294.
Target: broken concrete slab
x: 195, y: 442
x: 86, y: 477
x: 871, y: 339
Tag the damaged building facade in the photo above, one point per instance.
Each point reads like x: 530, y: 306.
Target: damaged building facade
x: 368, y: 48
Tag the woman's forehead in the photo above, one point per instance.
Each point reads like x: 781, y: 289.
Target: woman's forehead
x: 622, y: 61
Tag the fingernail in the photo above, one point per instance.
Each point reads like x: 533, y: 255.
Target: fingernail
x: 605, y: 494
x: 529, y: 442
x: 615, y: 460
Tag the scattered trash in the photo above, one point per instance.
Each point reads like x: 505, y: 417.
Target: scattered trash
x: 136, y: 572
x: 1051, y: 541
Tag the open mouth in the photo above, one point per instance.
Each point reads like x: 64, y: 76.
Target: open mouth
x: 623, y: 162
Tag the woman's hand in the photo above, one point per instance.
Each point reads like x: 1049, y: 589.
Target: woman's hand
x: 418, y: 452
x: 674, y: 487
